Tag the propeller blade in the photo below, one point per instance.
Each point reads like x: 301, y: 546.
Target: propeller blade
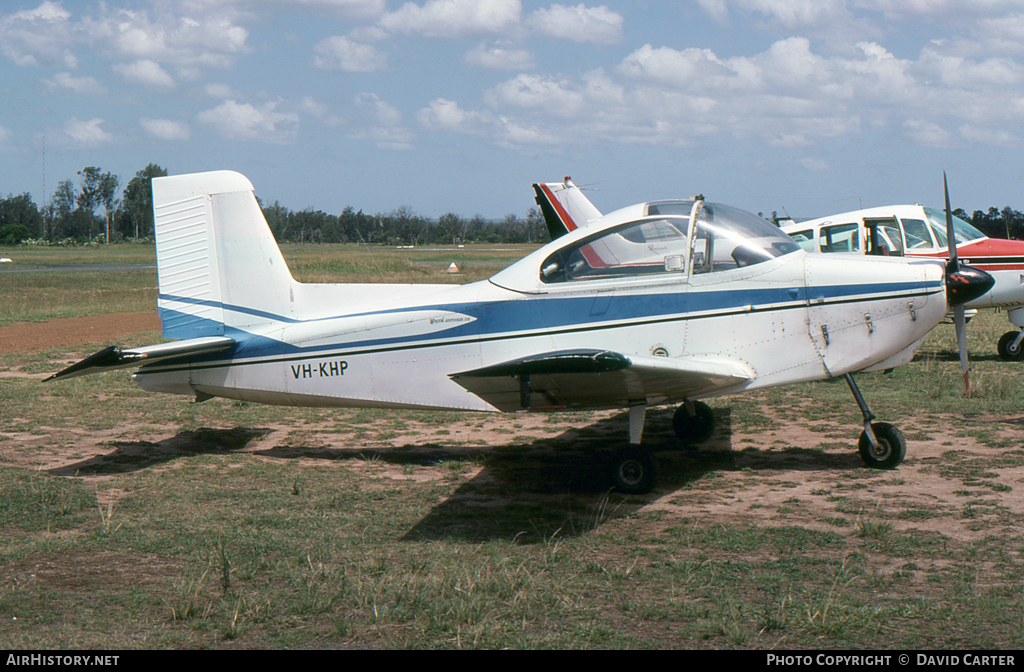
x: 961, y: 341
x: 950, y: 231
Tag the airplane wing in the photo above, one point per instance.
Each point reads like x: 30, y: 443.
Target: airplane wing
x: 116, y: 357
x: 598, y: 379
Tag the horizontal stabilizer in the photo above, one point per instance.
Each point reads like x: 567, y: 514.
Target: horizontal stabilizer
x: 596, y: 378
x: 116, y: 357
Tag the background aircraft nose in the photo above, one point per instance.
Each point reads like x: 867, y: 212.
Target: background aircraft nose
x: 966, y: 283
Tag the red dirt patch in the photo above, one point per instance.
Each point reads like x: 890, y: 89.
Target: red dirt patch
x: 28, y: 337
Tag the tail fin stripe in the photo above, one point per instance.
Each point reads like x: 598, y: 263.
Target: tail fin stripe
x: 567, y: 221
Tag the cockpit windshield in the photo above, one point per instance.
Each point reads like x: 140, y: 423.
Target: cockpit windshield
x: 725, y: 238
x: 728, y: 237
x: 963, y: 231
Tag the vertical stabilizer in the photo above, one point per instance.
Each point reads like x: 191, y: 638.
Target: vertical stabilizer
x: 218, y: 263
x: 564, y: 207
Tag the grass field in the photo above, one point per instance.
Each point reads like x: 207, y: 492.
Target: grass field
x: 132, y: 520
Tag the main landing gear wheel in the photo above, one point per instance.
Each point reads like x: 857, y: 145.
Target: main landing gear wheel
x: 889, y: 452
x: 696, y: 427
x: 1006, y: 350
x: 634, y: 471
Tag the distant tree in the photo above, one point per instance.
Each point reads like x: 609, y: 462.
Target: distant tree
x: 356, y: 226
x: 403, y: 226
x: 108, y: 199
x: 98, y: 189
x: 137, y: 201
x: 88, y: 198
x: 13, y: 234
x: 21, y: 211
x: 307, y: 226
x: 63, y: 223
x: 536, y: 230
x: 449, y: 228
x: 278, y: 219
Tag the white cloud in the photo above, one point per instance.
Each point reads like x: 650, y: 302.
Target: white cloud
x: 223, y: 91
x: 246, y: 122
x: 927, y: 133
x: 580, y: 23
x: 319, y: 111
x: 554, y: 96
x: 341, y: 53
x: 815, y: 165
x: 454, y: 18
x: 40, y: 36
x: 186, y: 42
x: 166, y: 129
x: 384, y: 124
x: 147, y: 73
x: 84, y: 85
x: 788, y: 13
x: 496, y: 57
x: 350, y: 8
x: 88, y: 133
x: 989, y: 136
x: 675, y: 68
x: 446, y: 115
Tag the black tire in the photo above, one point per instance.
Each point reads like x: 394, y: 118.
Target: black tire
x: 1006, y: 353
x: 694, y: 429
x: 892, y: 447
x: 634, y: 471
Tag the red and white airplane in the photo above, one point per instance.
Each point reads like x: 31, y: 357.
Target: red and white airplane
x: 918, y: 231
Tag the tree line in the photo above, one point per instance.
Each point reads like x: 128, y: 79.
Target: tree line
x: 995, y: 223
x: 93, y: 209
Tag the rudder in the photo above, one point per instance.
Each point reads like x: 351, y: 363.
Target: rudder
x: 217, y: 261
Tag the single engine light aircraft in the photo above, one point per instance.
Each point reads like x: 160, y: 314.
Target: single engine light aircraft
x: 657, y: 303
x: 920, y: 232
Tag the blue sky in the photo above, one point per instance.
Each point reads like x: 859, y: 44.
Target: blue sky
x: 812, y: 106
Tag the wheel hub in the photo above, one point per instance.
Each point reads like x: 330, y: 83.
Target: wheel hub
x: 631, y: 472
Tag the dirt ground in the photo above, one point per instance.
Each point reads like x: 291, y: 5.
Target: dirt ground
x: 786, y: 476
x: 30, y: 337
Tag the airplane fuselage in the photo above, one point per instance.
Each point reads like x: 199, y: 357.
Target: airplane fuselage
x: 796, y: 318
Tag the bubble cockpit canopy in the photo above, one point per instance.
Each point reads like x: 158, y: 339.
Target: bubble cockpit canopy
x: 725, y: 238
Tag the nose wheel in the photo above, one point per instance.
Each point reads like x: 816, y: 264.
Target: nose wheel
x: 881, y: 444
x: 888, y: 450
x: 1009, y: 348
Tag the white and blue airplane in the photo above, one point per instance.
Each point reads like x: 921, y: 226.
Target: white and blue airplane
x: 666, y: 302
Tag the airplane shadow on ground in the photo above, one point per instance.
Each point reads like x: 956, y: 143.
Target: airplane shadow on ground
x: 532, y: 492
x: 131, y: 456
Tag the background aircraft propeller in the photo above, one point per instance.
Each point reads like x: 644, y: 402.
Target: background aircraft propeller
x: 963, y: 283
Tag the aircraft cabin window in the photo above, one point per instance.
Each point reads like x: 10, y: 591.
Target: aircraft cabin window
x: 805, y: 239
x: 728, y: 238
x: 916, y: 232
x: 884, y: 237
x: 646, y: 247
x: 963, y: 231
x: 840, y: 238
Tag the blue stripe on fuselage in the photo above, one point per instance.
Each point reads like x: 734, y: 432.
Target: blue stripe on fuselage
x: 536, y: 315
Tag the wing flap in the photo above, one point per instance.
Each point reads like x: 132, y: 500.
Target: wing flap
x: 116, y: 357
x: 599, y: 379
